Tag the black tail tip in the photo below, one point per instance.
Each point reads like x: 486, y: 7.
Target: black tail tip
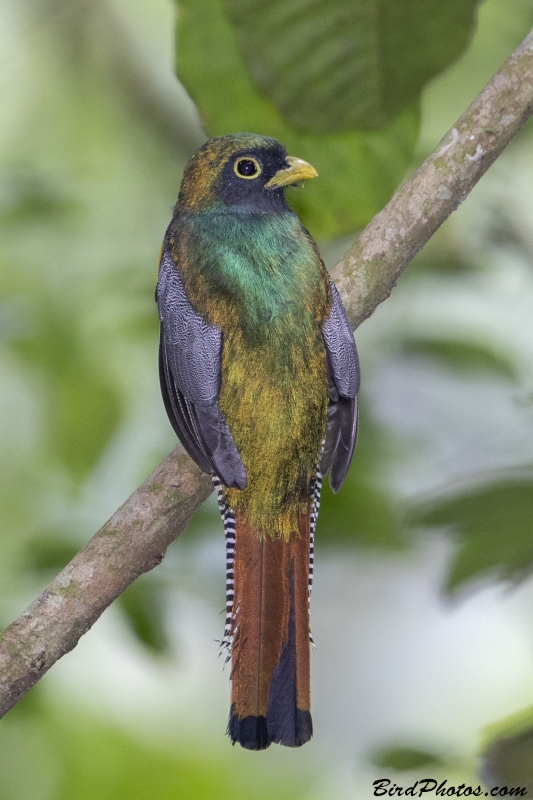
x: 254, y: 733
x: 250, y: 732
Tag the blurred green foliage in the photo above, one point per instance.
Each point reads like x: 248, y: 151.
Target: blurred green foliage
x: 406, y: 759
x: 84, y: 406
x: 363, y: 512
x: 507, y: 753
x: 509, y: 763
x: 494, y: 527
x: 460, y: 355
x: 72, y: 754
x: 143, y: 605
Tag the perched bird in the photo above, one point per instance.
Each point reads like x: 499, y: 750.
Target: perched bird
x: 259, y: 375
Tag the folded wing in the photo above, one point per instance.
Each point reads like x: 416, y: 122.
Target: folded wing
x: 343, y: 374
x: 190, y: 374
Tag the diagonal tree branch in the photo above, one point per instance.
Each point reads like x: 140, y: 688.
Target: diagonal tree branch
x: 136, y: 537
x: 368, y: 272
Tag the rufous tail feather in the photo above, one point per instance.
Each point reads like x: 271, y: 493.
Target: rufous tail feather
x: 269, y: 635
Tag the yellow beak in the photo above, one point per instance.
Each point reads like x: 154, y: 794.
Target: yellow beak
x: 297, y: 172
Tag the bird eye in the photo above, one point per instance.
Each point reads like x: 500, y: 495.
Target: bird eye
x: 247, y: 168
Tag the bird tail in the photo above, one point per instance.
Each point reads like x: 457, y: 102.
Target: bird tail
x: 267, y: 629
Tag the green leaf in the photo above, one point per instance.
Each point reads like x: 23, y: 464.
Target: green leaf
x: 405, y: 758
x: 494, y: 525
x: 362, y: 512
x: 507, y: 758
x: 509, y: 762
x: 460, y: 355
x: 142, y: 604
x: 338, y: 65
x: 358, y: 172
x: 49, y: 551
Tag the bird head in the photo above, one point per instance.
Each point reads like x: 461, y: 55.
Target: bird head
x: 243, y: 171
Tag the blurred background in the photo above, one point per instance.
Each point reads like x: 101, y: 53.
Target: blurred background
x: 422, y: 610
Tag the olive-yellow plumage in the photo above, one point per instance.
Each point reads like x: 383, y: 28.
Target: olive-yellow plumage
x: 269, y: 301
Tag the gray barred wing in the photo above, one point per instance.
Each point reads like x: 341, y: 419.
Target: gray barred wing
x: 189, y: 369
x: 343, y: 374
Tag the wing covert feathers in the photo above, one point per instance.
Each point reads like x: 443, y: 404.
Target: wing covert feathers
x: 189, y: 369
x: 343, y: 376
